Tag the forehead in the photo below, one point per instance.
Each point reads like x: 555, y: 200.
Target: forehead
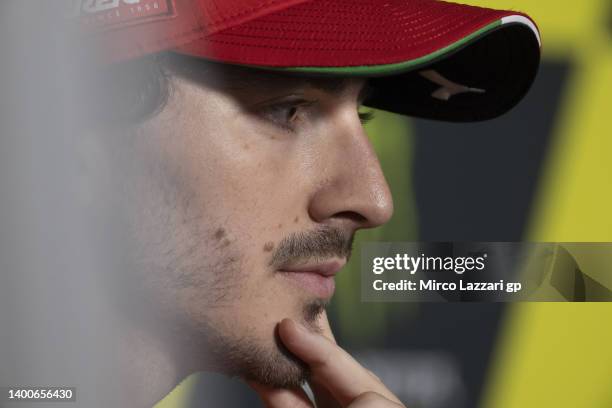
x: 237, y: 78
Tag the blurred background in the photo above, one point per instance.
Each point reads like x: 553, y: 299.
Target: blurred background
x: 540, y: 173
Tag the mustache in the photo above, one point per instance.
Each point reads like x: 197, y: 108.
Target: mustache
x: 320, y: 244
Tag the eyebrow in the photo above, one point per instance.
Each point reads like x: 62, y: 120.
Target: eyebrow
x: 272, y: 82
x: 338, y: 84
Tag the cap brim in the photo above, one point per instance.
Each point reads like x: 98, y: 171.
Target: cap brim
x: 495, y: 53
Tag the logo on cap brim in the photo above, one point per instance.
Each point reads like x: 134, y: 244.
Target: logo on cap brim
x: 109, y: 13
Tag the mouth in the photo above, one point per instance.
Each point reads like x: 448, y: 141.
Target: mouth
x: 316, y: 278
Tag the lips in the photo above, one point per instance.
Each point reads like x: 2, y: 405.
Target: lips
x: 316, y: 278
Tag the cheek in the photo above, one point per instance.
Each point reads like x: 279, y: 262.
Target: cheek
x: 246, y: 184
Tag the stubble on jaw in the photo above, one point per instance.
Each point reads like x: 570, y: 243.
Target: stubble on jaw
x: 244, y: 354
x: 275, y: 367
x: 278, y: 367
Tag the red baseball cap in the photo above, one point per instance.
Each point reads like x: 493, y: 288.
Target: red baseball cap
x: 424, y: 58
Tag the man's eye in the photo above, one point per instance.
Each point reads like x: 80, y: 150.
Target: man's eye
x: 290, y: 114
x: 287, y: 114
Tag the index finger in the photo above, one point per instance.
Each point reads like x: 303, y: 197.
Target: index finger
x: 331, y: 366
x: 323, y: 323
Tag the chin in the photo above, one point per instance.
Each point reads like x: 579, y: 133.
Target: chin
x: 261, y: 357
x: 278, y: 370
x: 266, y: 361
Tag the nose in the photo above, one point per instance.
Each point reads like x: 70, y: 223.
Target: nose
x: 353, y: 187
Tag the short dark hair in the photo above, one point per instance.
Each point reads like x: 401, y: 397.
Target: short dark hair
x: 128, y: 93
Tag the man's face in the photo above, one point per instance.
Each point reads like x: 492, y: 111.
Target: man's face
x: 248, y: 190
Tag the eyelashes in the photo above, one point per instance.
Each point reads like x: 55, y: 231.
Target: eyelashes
x: 365, y: 117
x: 290, y: 114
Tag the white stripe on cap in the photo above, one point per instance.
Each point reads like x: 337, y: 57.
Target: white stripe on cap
x: 523, y: 20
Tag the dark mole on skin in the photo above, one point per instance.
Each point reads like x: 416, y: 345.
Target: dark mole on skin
x: 268, y: 246
x: 220, y: 233
x: 296, y: 219
x: 280, y: 225
x: 225, y: 243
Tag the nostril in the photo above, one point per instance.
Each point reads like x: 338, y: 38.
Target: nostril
x: 351, y: 216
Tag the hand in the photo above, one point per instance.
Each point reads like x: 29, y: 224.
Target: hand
x: 337, y: 379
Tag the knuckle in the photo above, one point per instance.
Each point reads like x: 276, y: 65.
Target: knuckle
x: 377, y: 378
x: 371, y: 394
x: 369, y: 397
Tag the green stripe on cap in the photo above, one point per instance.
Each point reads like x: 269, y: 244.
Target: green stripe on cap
x: 388, y: 69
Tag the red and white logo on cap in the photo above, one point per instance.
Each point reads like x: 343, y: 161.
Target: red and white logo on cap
x: 105, y: 13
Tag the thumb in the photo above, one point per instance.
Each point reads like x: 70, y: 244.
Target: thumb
x: 281, y: 397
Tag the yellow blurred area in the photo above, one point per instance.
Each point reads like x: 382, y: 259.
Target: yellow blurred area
x: 180, y: 396
x: 554, y: 355
x: 558, y: 355
x: 567, y: 27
